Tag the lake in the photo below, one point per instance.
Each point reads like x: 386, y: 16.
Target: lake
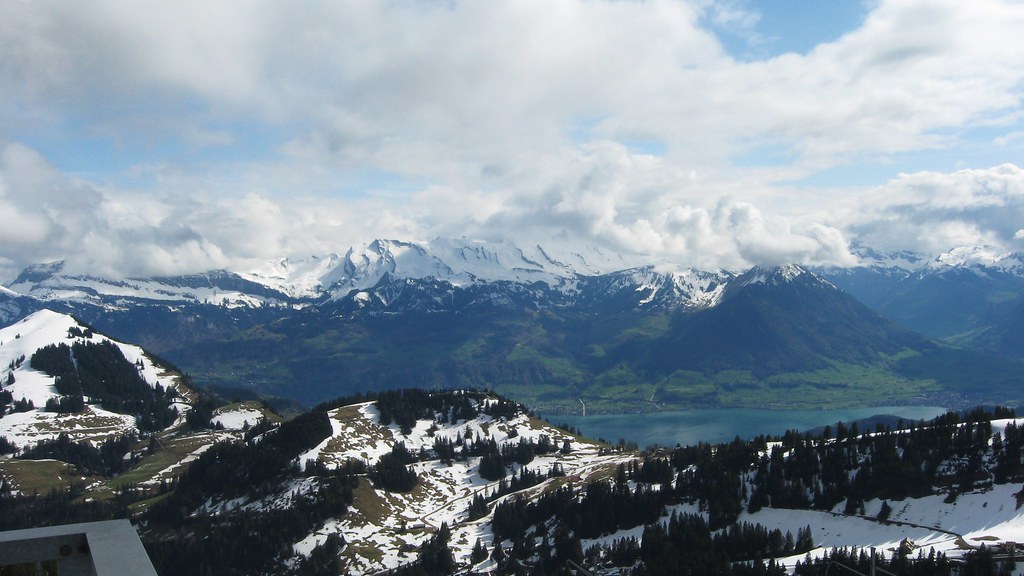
x: 722, y: 425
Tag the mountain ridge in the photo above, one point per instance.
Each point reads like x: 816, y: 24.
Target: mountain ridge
x: 462, y: 263
x: 534, y: 327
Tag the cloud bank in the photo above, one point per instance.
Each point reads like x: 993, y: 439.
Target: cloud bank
x: 160, y: 138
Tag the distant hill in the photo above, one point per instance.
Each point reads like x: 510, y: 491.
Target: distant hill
x: 963, y: 296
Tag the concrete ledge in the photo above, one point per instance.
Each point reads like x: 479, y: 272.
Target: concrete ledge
x: 90, y: 549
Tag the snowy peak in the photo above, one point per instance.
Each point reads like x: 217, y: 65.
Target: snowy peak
x: 897, y: 259
x: 298, y: 278
x: 649, y: 288
x: 35, y: 331
x: 458, y: 262
x: 774, y: 279
x: 980, y: 258
x: 37, y: 273
x: 364, y: 266
x: 778, y: 276
x: 968, y: 256
x: 462, y: 262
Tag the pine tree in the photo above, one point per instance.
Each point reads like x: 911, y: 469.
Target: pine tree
x: 479, y: 553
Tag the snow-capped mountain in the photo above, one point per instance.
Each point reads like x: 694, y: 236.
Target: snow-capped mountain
x: 902, y: 262
x: 291, y: 309
x: 373, y: 272
x: 981, y: 258
x: 648, y: 287
x: 457, y: 262
x: 776, y: 276
x: 50, y: 283
x: 960, y: 295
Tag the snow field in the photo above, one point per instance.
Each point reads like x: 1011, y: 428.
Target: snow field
x: 383, y: 529
x: 236, y: 419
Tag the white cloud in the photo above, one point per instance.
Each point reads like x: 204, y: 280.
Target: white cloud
x: 612, y: 198
x: 438, y: 90
x: 932, y: 212
x: 1010, y: 138
x: 38, y: 205
x: 248, y: 130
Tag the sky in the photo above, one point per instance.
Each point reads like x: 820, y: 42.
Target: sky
x: 144, y: 137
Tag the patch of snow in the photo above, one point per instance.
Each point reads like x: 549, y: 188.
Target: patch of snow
x: 237, y: 419
x: 94, y: 424
x: 173, y: 470
x: 305, y: 546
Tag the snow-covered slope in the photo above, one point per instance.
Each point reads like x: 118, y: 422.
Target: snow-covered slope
x: 457, y: 261
x: 49, y: 283
x: 19, y: 341
x: 980, y: 257
x: 387, y: 526
x: 990, y: 515
x: 298, y: 278
x: 650, y: 287
x: 384, y: 528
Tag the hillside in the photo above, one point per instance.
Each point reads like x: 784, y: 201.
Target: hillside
x: 962, y: 296
x: 61, y: 377
x: 386, y: 521
x: 460, y: 482
x: 83, y: 413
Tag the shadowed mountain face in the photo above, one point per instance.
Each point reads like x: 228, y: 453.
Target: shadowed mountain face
x: 770, y: 323
x: 961, y: 297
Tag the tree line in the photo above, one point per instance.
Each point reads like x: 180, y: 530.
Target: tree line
x: 101, y: 372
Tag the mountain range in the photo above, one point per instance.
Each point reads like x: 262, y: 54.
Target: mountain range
x: 558, y: 327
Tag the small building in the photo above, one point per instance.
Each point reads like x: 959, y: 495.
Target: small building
x: 91, y: 549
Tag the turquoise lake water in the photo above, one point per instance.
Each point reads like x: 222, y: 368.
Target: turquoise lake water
x: 722, y: 425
